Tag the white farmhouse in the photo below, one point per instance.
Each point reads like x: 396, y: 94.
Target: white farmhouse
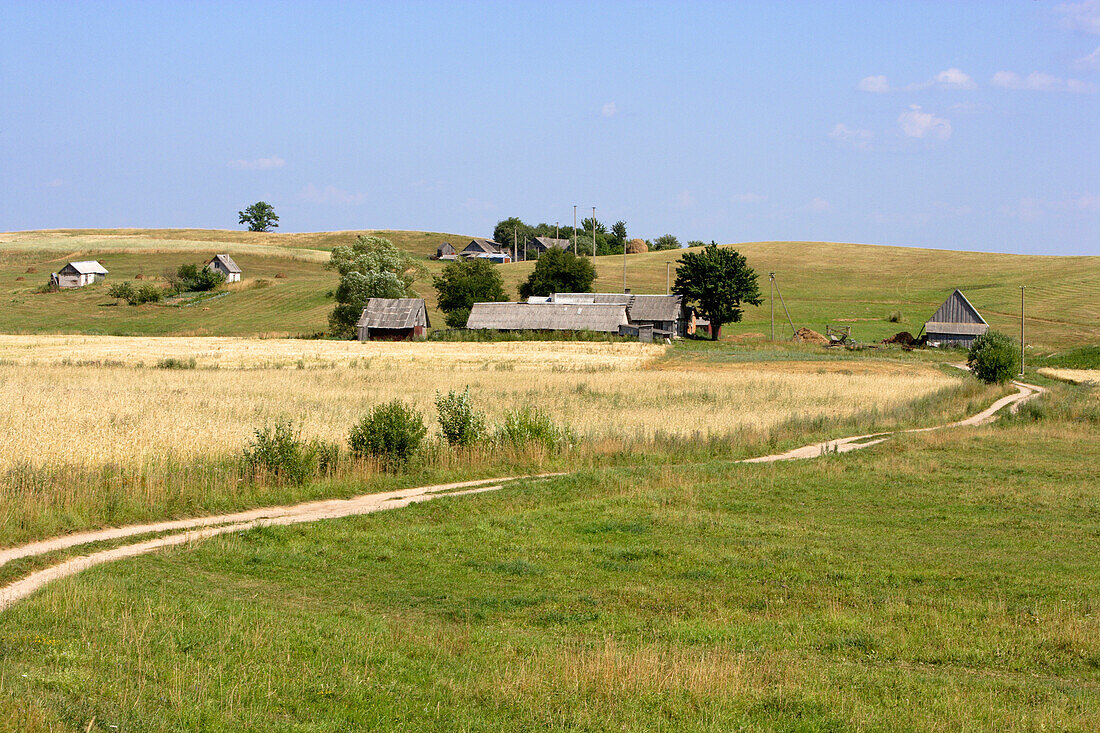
x: 79, y: 274
x: 225, y: 265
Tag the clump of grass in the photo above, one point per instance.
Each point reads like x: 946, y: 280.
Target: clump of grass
x: 895, y: 317
x: 531, y: 426
x: 176, y: 363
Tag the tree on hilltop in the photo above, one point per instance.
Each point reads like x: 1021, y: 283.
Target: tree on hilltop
x: 558, y: 271
x: 260, y: 217
x: 465, y: 282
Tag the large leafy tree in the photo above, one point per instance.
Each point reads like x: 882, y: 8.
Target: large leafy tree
x: 372, y: 267
x: 666, y: 241
x: 558, y: 271
x: 260, y: 217
x: 618, y: 234
x: 465, y: 282
x: 512, y: 230
x: 716, y: 281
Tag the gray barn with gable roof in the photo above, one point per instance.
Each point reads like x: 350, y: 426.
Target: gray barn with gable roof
x: 955, y: 323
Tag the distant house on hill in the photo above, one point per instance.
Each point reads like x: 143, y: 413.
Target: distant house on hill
x: 78, y: 274
x: 225, y: 265
x: 393, y: 319
x: 544, y: 243
x: 955, y: 323
x: 604, y: 317
x: 482, y: 247
x: 446, y: 251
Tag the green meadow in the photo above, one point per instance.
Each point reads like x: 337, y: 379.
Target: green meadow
x: 940, y: 581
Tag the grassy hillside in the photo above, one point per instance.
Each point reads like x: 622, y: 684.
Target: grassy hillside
x: 842, y: 284
x: 860, y: 285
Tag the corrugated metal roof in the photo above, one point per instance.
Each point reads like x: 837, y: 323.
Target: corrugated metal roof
x: 227, y: 262
x: 545, y: 243
x: 88, y: 267
x: 547, y: 317
x: 956, y: 309
x: 394, y: 313
x: 656, y: 308
x: 482, y: 245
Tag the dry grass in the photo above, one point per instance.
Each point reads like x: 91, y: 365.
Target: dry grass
x: 1077, y: 376
x: 86, y: 401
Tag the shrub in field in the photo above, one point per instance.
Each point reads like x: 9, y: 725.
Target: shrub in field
x: 993, y: 358
x: 135, y: 296
x: 123, y: 290
x: 894, y: 317
x: 197, y: 278
x: 461, y: 424
x: 279, y: 451
x: 391, y: 432
x: 173, y: 363
x: 532, y: 426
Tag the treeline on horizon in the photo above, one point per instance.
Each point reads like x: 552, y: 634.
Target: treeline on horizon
x: 608, y: 241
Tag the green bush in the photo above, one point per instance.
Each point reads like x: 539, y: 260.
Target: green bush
x: 173, y: 363
x: 531, y: 426
x: 391, y: 432
x: 197, y: 278
x: 123, y: 291
x: 994, y: 358
x: 461, y: 424
x: 135, y: 295
x: 279, y: 451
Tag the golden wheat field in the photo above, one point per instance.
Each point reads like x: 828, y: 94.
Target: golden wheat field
x: 96, y: 400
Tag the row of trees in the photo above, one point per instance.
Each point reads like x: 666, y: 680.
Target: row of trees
x: 715, y: 281
x: 607, y: 241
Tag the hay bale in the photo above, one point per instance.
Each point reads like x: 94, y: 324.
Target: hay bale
x: 20, y: 279
x: 636, y: 247
x: 32, y: 270
x: 280, y: 276
x: 139, y: 276
x: 809, y: 336
x: 903, y: 338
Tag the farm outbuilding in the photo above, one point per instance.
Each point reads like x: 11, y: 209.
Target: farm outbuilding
x: 445, y: 251
x: 604, y: 317
x: 955, y: 323
x: 393, y: 319
x: 541, y: 244
x: 225, y: 265
x: 78, y: 274
x: 664, y: 314
x: 481, y: 247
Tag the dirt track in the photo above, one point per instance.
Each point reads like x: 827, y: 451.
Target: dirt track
x: 203, y: 527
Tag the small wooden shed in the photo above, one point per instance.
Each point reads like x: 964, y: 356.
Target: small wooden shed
x: 393, y: 319
x: 955, y: 323
x: 445, y: 251
x: 225, y: 265
x: 78, y: 274
x: 605, y: 317
x: 483, y: 246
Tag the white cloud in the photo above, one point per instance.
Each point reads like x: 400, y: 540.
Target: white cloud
x: 819, y: 204
x: 1090, y: 62
x: 330, y: 195
x: 1030, y: 208
x: 685, y: 200
x: 748, y: 198
x: 920, y: 124
x: 259, y: 164
x: 1082, y: 16
x: 954, y: 79
x: 609, y: 110
x: 1037, y: 81
x: 877, y: 84
x: 851, y: 136
x: 949, y: 79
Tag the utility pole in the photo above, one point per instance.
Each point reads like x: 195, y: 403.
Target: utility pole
x: 1022, y: 330
x: 594, y: 232
x: 557, y: 234
x: 771, y: 299
x: 574, y: 229
x: 668, y: 278
x: 515, y: 246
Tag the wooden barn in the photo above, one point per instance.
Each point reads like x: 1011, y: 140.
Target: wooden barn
x: 541, y: 244
x: 78, y: 274
x: 664, y: 315
x: 604, y: 317
x: 955, y: 323
x: 225, y: 265
x: 445, y: 251
x: 393, y: 319
x: 483, y: 247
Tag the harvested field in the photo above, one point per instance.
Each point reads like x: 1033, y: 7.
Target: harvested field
x: 88, y: 402
x: 1077, y: 376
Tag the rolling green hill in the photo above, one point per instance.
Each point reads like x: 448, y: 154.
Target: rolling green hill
x: 823, y: 283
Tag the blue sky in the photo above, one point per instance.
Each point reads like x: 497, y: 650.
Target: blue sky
x: 937, y: 124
